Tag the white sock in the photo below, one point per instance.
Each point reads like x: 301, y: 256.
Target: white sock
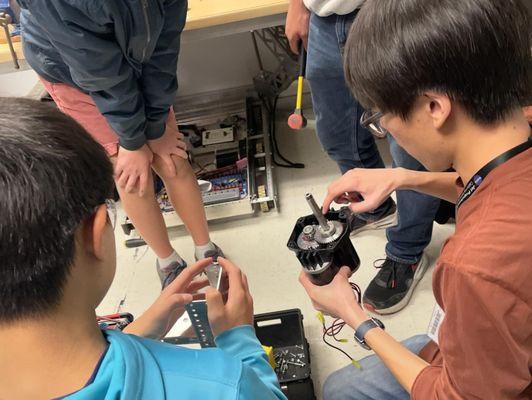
x: 201, y: 250
x: 165, y: 262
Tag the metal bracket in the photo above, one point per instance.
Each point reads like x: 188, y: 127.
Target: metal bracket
x: 271, y: 84
x: 197, y: 311
x: 276, y: 41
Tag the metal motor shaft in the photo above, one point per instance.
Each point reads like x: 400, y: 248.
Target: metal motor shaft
x: 324, y: 224
x: 322, y: 244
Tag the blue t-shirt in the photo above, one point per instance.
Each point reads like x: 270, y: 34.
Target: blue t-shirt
x: 139, y: 368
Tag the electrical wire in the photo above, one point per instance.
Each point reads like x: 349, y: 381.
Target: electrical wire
x: 272, y: 110
x: 202, y: 168
x: 338, y: 324
x: 274, y: 138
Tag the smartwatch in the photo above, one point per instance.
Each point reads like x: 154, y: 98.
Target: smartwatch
x: 363, y: 328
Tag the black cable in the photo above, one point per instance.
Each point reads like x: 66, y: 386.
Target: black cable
x: 272, y: 109
x: 274, y: 137
x: 269, y: 108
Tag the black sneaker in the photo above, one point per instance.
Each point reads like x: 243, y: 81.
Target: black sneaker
x: 387, y: 220
x: 392, y: 288
x: 171, y: 272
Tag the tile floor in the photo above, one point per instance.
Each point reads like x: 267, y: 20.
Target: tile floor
x: 258, y: 246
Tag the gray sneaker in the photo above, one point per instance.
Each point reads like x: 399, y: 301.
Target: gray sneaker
x: 171, y: 272
x: 217, y: 252
x: 213, y: 271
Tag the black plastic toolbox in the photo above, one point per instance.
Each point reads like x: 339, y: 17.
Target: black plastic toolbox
x: 283, y: 330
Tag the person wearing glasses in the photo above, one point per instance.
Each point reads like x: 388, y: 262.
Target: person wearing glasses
x: 454, y: 103
x: 112, y: 65
x: 58, y: 254
x: 324, y: 25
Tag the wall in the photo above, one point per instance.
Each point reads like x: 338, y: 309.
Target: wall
x: 219, y: 63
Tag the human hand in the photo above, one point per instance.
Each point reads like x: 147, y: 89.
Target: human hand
x: 238, y: 309
x: 336, y: 299
x: 363, y: 189
x: 157, y: 320
x: 132, y: 169
x: 171, y: 143
x: 297, y: 25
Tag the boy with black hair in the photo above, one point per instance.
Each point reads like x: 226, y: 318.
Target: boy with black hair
x: 447, y: 79
x: 57, y: 252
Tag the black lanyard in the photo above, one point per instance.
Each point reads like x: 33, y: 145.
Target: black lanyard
x: 479, y: 177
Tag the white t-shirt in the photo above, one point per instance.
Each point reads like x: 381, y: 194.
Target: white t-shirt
x: 323, y: 8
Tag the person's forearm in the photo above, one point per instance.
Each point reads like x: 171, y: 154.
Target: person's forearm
x: 297, y: 3
x: 401, y: 362
x: 139, y: 328
x: 437, y: 184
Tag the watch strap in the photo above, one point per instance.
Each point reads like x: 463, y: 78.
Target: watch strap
x: 363, y: 328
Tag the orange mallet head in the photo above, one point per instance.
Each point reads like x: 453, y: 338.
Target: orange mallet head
x: 297, y: 120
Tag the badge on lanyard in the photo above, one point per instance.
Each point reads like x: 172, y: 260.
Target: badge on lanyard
x: 435, y: 322
x: 477, y: 179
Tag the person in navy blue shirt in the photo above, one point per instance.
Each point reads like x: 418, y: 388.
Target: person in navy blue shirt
x: 112, y: 66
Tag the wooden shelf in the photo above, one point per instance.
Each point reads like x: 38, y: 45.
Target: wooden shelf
x: 207, y: 13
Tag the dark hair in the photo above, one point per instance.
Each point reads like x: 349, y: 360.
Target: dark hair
x: 52, y: 176
x: 476, y: 51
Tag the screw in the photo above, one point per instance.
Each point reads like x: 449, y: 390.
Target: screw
x: 298, y: 364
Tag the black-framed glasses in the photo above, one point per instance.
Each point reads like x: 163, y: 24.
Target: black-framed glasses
x: 371, y: 121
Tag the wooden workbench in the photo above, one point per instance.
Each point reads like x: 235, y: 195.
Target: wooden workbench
x: 208, y: 13
x: 210, y: 18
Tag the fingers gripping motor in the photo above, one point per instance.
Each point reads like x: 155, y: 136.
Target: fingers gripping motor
x: 322, y: 244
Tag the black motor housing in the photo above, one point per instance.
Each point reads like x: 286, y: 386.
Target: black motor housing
x: 338, y: 253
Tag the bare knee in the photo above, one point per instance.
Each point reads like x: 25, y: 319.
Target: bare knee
x: 182, y: 168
